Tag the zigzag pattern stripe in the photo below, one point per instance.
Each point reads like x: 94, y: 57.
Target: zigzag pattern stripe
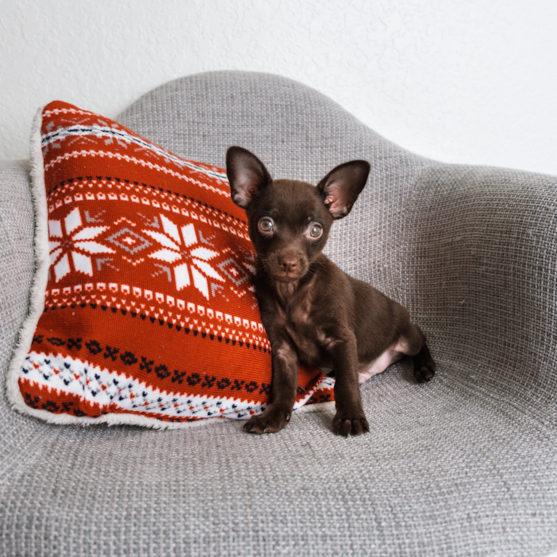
x: 107, y: 389
x: 127, y: 158
x: 113, y: 133
x: 99, y: 131
x: 56, y: 111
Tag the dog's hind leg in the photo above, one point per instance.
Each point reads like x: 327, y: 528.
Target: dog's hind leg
x: 411, y: 343
x: 424, y: 365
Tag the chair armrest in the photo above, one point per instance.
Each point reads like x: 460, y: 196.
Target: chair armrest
x: 16, y: 253
x: 482, y: 257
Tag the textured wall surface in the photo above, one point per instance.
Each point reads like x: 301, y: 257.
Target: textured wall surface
x: 458, y: 80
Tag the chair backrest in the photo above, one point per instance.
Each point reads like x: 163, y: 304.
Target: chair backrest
x: 299, y: 134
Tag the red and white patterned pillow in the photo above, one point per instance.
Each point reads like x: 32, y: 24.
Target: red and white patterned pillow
x: 142, y: 309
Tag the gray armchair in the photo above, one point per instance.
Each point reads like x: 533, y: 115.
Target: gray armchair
x: 464, y: 465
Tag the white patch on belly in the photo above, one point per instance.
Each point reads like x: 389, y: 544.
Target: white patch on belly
x: 380, y: 364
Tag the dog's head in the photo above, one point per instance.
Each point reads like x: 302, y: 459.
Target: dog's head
x: 289, y: 221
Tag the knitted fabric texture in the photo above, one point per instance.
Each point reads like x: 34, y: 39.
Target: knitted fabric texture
x: 149, y: 311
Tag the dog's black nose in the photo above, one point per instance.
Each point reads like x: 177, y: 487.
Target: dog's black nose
x: 288, y: 263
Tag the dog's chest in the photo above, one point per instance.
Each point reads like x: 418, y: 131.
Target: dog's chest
x: 302, y: 329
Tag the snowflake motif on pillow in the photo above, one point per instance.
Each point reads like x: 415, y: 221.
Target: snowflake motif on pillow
x: 182, y: 250
x: 68, y: 244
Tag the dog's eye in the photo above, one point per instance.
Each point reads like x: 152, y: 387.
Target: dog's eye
x: 266, y: 225
x: 315, y: 230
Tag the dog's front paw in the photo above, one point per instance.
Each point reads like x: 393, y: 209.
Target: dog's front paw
x: 346, y: 423
x: 271, y: 421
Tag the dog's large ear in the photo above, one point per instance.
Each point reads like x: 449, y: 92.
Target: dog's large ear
x: 247, y: 175
x: 341, y: 187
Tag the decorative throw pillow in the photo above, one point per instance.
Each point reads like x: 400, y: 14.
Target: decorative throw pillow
x: 142, y: 309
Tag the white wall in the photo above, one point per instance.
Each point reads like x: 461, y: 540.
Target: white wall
x: 471, y: 81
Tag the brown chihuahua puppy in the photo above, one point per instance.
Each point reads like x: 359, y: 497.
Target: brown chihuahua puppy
x: 312, y: 311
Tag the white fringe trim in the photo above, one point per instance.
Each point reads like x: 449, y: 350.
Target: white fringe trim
x: 36, y: 308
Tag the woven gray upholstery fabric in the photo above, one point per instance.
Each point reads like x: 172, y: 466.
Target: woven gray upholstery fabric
x: 16, y: 252
x: 464, y: 465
